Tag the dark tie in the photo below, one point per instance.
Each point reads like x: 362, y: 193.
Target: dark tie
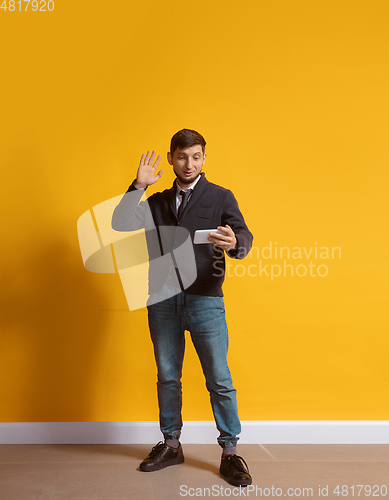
x: 185, y: 198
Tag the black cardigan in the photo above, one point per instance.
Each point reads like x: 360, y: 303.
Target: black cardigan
x: 210, y: 206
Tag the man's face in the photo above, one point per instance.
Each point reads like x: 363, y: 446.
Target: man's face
x: 187, y: 164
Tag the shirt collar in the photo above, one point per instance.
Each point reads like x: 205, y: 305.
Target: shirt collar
x: 179, y: 188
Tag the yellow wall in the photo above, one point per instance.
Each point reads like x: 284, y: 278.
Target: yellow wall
x: 292, y: 98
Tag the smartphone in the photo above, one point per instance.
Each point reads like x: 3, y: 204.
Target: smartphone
x: 201, y: 236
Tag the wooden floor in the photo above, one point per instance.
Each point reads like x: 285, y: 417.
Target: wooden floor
x: 95, y: 472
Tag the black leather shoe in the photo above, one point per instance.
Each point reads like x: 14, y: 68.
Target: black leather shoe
x: 162, y: 456
x: 235, y: 470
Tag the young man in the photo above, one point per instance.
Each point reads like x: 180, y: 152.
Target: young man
x: 193, y: 203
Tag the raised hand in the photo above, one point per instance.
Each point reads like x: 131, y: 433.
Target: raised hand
x: 146, y: 171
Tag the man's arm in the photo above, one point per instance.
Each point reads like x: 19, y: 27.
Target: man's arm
x: 237, y: 239
x: 129, y: 215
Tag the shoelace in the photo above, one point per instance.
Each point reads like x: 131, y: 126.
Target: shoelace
x: 155, y: 449
x: 237, y: 461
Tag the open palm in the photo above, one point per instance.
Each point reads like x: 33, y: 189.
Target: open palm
x: 146, y: 171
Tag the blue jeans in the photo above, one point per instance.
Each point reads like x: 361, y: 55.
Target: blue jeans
x: 204, y: 318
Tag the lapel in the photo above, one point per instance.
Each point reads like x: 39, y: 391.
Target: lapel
x: 197, y: 192
x: 172, y: 199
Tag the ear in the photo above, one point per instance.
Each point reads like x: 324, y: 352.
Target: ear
x: 204, y: 157
x: 170, y: 158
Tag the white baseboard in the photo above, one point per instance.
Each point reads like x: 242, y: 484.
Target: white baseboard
x: 253, y: 432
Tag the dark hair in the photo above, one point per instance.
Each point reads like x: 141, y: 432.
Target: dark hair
x: 186, y: 138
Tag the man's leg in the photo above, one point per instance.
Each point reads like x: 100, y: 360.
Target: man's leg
x: 167, y: 334
x: 205, y: 319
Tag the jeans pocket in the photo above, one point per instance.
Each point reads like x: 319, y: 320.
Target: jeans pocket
x: 221, y: 302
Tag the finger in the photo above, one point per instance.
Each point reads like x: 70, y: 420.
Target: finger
x: 231, y: 231
x: 216, y: 236
x: 147, y: 157
x: 157, y: 162
x: 159, y: 174
x: 219, y: 239
x: 142, y: 160
x: 220, y: 246
x: 152, y: 157
x: 224, y: 229
x: 219, y: 236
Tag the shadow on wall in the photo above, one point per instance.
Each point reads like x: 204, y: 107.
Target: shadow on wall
x: 54, y: 332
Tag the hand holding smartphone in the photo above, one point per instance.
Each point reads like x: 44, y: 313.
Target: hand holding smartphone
x: 202, y: 235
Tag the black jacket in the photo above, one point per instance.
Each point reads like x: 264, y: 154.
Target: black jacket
x: 210, y: 206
